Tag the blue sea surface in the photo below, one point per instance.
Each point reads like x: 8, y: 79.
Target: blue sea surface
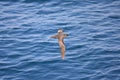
x: 92, y: 48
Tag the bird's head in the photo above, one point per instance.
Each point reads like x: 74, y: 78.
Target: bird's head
x: 60, y: 30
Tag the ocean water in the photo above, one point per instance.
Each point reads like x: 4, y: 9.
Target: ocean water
x: 92, y: 48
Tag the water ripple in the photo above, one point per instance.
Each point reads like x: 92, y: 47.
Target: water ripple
x: 92, y: 48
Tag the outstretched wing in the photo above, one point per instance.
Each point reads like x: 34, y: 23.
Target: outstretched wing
x: 65, y: 35
x: 55, y: 36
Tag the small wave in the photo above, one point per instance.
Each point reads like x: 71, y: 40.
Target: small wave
x: 92, y: 48
x: 26, y: 1
x: 114, y: 16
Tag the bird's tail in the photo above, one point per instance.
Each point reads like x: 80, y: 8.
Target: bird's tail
x: 63, y: 52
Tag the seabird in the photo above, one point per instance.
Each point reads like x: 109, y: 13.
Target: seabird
x: 60, y: 36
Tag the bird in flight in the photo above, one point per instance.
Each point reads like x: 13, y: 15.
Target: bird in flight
x: 60, y: 36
